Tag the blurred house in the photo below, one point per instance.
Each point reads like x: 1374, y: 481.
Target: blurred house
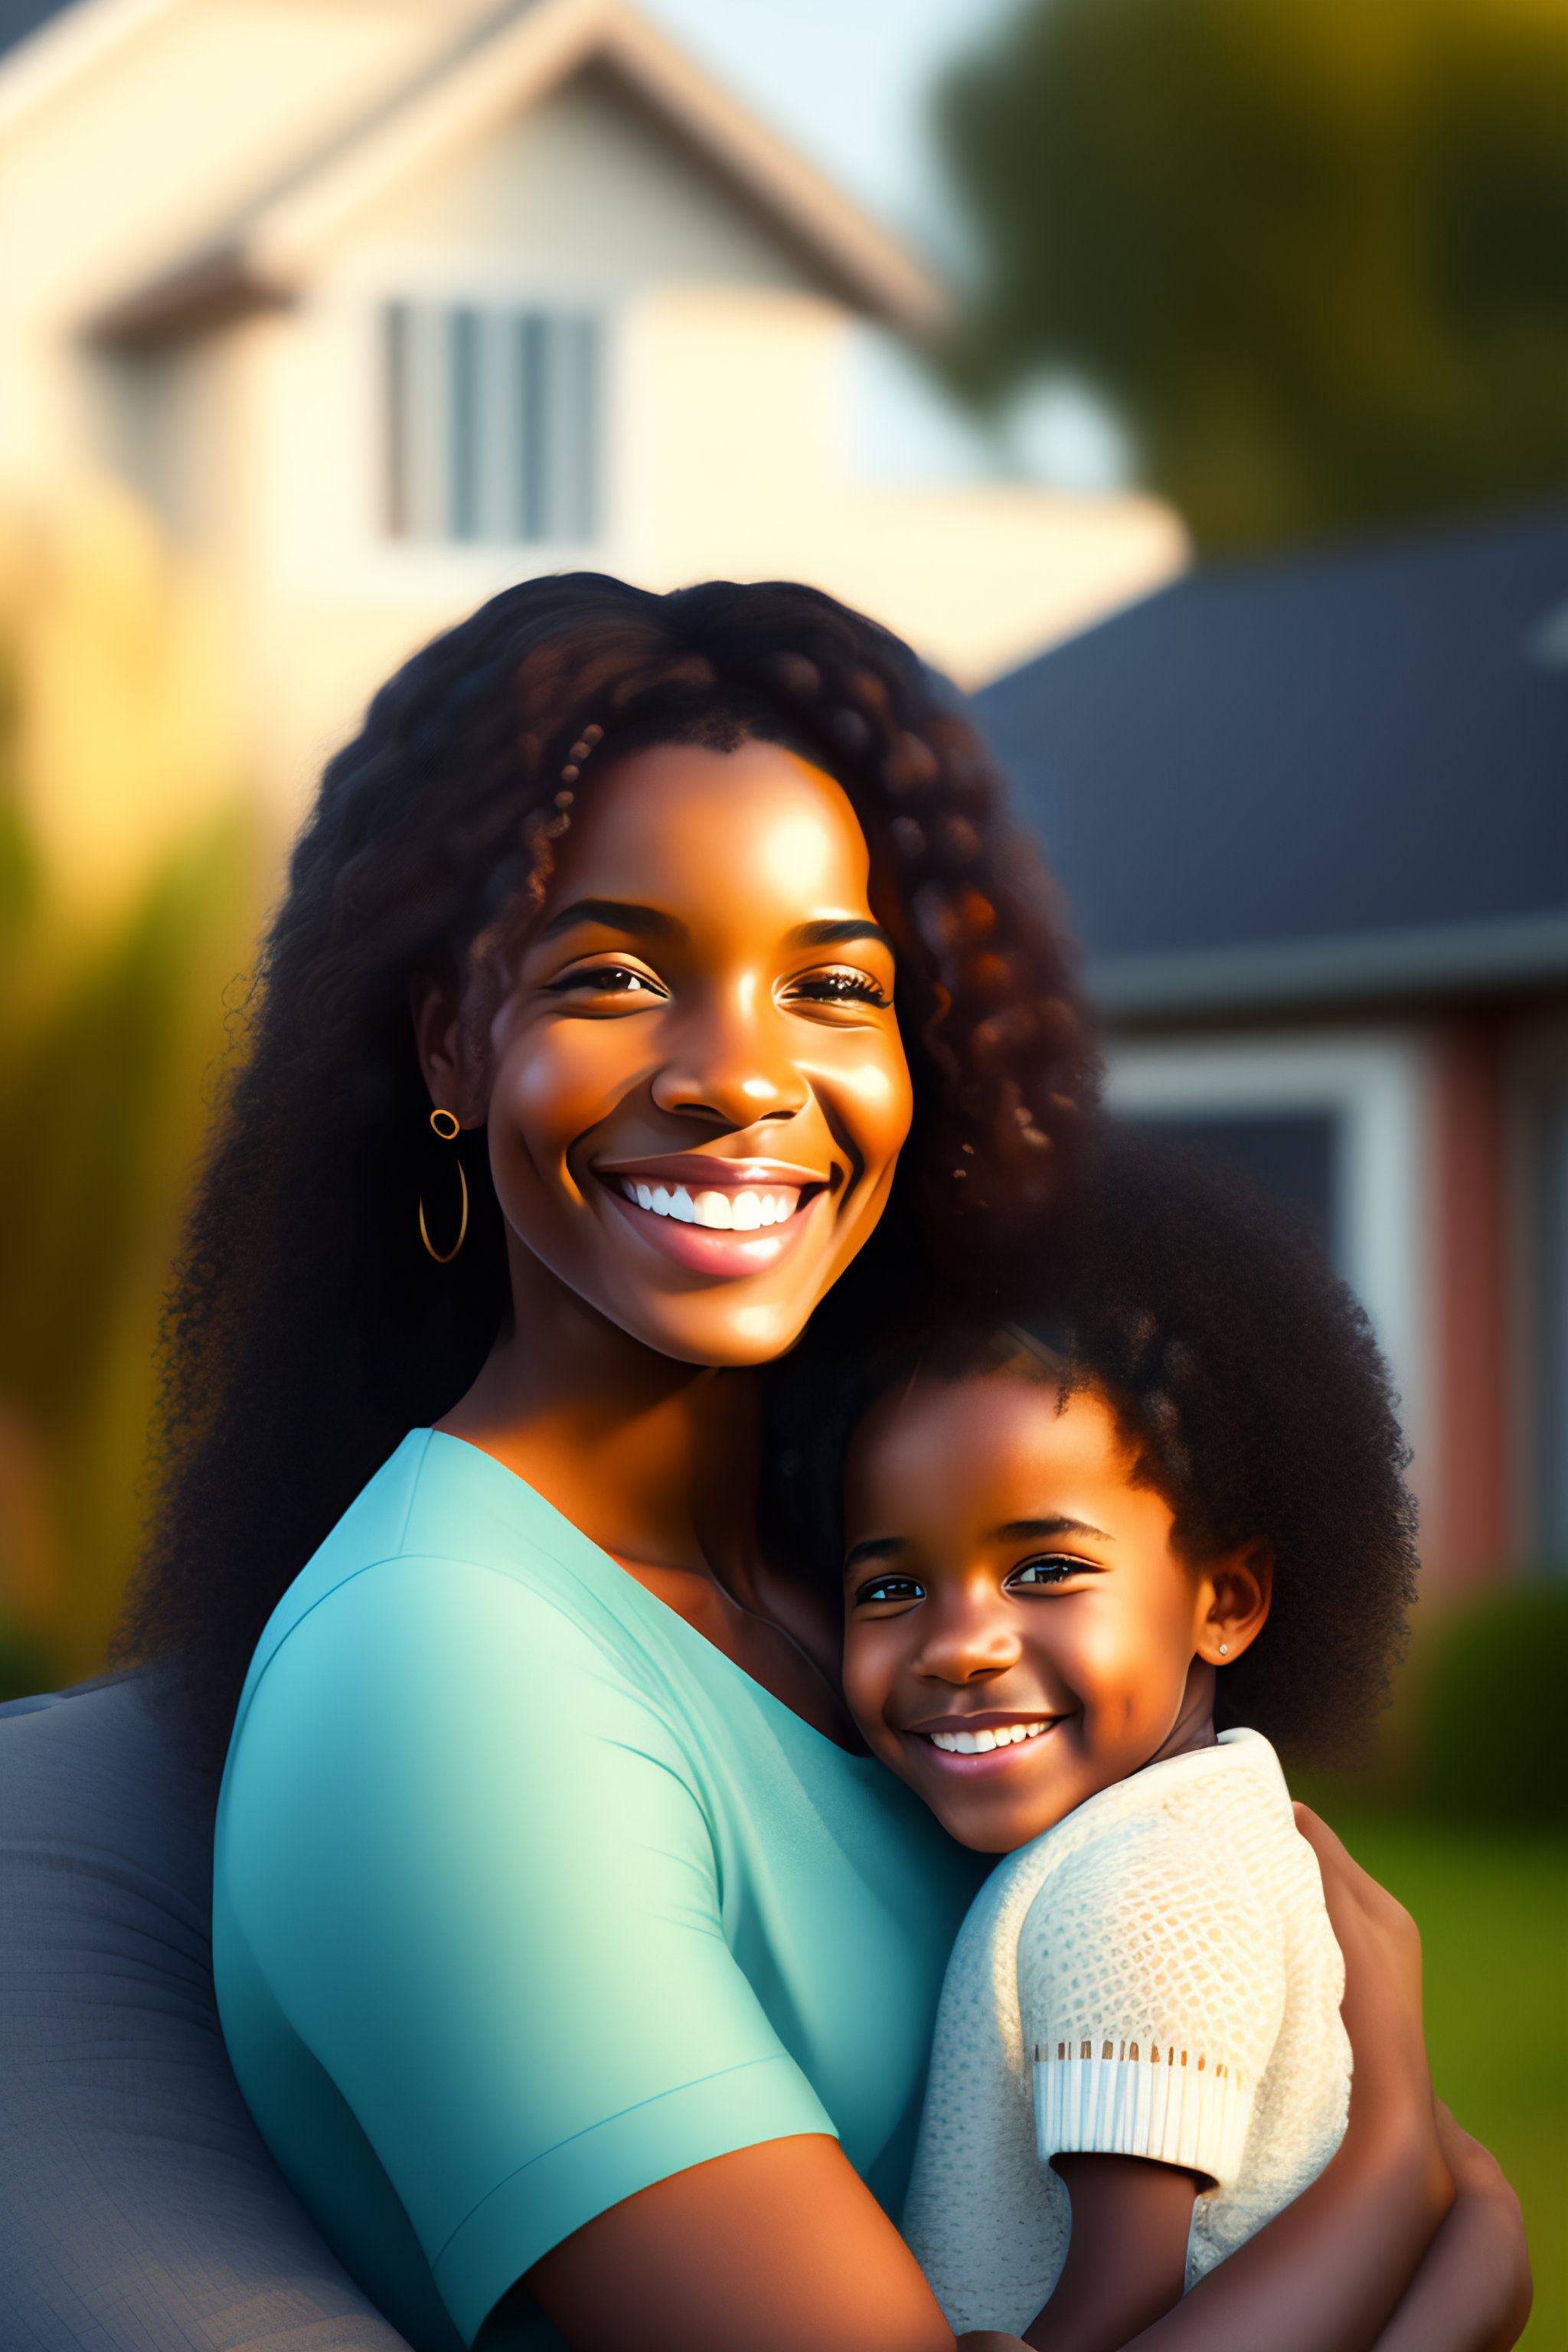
x: 1312, y: 819
x: 380, y: 306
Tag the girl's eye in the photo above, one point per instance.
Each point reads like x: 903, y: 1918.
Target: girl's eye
x: 891, y: 1588
x: 605, y: 980
x: 1055, y: 1569
x: 843, y: 986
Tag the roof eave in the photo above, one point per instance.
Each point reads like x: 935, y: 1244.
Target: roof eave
x: 213, y: 291
x: 1507, y: 956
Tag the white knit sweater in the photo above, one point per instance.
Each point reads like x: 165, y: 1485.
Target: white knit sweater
x: 1155, y: 1976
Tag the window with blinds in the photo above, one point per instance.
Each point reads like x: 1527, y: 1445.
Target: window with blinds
x: 491, y: 423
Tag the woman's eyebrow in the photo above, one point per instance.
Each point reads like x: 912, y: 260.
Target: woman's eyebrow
x: 834, y: 932
x: 874, y: 1548
x: 1046, y: 1530
x: 614, y: 915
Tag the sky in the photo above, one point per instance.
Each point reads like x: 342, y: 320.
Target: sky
x: 847, y: 80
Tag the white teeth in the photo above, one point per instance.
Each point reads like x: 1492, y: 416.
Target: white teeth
x: 980, y: 1743
x: 742, y: 1213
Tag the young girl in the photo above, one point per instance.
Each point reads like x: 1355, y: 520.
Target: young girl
x: 1077, y: 1547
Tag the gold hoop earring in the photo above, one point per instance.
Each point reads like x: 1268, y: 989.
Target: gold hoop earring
x: 447, y: 1134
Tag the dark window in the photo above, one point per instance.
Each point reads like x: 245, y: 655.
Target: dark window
x: 492, y: 422
x: 1294, y: 1155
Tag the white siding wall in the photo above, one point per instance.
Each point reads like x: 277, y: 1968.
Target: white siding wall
x: 1376, y: 1085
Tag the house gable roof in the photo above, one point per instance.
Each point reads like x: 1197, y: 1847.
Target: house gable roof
x: 268, y: 255
x: 1341, y: 776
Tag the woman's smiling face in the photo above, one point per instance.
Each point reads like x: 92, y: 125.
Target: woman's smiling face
x: 700, y: 1090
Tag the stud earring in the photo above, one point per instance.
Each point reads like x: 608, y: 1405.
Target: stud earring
x: 448, y: 1134
x: 1224, y: 1649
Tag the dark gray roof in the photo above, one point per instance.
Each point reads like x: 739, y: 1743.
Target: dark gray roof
x: 20, y: 17
x: 1342, y: 774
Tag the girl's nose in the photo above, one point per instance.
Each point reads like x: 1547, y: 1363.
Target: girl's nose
x: 732, y: 1065
x: 967, y: 1641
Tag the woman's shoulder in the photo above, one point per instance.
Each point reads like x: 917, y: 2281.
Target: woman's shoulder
x: 442, y: 1545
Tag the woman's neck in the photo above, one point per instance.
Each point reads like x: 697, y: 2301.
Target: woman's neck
x: 655, y: 1460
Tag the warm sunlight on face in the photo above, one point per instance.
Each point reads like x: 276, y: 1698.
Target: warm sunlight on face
x: 1020, y: 1630
x: 700, y: 1092
x: 796, y: 856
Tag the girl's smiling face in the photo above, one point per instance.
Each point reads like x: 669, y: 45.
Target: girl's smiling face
x: 1021, y: 1631
x: 700, y: 1090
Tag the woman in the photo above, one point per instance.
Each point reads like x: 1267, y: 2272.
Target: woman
x: 577, y: 1969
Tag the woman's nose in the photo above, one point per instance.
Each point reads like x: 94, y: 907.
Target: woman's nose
x: 732, y: 1064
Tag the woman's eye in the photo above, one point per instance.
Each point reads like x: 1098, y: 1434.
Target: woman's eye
x: 605, y: 980
x: 844, y: 986
x: 891, y: 1588
x: 1056, y: 1569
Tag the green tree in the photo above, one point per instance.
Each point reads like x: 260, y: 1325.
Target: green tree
x: 1314, y: 252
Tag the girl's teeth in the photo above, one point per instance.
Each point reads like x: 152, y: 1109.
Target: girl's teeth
x: 740, y: 1213
x: 980, y: 1743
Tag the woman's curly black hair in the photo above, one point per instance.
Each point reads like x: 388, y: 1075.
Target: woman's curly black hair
x: 307, y: 1329
x: 1247, y: 1375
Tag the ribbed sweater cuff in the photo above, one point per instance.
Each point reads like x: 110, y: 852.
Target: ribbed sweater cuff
x: 1122, y: 2098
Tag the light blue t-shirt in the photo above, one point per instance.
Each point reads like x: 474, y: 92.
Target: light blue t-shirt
x: 527, y: 1896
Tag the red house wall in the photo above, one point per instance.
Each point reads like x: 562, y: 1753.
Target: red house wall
x: 1467, y: 1533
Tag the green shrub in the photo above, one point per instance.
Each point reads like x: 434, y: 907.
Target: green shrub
x: 1490, y: 1744
x: 27, y: 1664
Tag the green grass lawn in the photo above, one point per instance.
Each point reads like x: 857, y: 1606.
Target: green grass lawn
x: 1493, y: 1915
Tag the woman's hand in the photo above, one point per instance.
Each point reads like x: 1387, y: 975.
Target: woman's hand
x: 1474, y: 2289
x: 1391, y: 2097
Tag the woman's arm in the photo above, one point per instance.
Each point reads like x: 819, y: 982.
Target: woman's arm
x: 780, y: 2248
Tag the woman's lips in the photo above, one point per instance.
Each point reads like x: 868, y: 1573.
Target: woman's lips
x: 719, y: 1217
x: 713, y: 1249
x: 743, y: 1211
